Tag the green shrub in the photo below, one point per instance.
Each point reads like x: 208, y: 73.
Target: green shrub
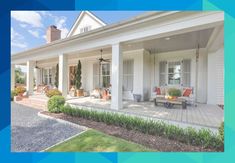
x: 13, y: 93
x: 19, y: 90
x: 55, y: 104
x: 174, y: 92
x: 221, y: 131
x: 203, y: 138
x: 53, y: 92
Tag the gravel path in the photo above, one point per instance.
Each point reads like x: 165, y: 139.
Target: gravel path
x: 30, y: 133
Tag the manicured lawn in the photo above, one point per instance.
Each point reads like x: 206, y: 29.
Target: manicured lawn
x: 93, y: 140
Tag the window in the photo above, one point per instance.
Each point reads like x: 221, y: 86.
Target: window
x: 47, y: 76
x: 105, y: 74
x: 85, y: 29
x: 175, y: 73
x: 128, y: 75
x: 101, y: 75
x: 72, y: 70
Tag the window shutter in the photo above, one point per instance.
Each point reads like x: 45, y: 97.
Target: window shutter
x: 96, y: 75
x: 162, y: 73
x: 186, y: 73
x: 128, y: 75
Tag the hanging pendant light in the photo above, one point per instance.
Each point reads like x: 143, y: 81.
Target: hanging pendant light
x: 36, y: 65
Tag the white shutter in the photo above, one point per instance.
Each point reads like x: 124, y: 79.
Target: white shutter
x: 186, y: 73
x: 96, y: 75
x: 162, y: 73
x: 128, y: 75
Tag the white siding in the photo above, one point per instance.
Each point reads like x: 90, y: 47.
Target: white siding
x: 86, y: 21
x: 216, y: 77
x: 202, y: 77
x: 220, y: 77
x: 146, y: 76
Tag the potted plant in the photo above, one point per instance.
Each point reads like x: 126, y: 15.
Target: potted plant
x: 20, y: 90
x: 137, y: 97
x: 78, y: 78
x: 174, y: 93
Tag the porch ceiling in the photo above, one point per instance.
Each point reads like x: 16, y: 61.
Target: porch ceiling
x: 185, y: 41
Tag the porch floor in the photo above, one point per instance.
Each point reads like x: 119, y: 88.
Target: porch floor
x: 201, y: 116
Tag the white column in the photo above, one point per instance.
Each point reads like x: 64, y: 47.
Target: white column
x: 63, y: 74
x: 37, y: 76
x: 30, y: 74
x: 12, y: 76
x: 117, y: 76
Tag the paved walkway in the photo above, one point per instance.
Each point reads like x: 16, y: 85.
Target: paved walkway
x: 30, y: 133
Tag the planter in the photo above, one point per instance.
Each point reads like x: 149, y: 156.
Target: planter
x: 72, y: 92
x: 80, y: 92
x: 18, y: 98
x: 137, y: 97
x: 172, y: 97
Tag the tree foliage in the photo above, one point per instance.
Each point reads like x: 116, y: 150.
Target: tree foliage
x: 19, y: 76
x: 78, y: 76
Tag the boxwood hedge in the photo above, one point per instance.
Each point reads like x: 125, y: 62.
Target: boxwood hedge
x: 204, y: 138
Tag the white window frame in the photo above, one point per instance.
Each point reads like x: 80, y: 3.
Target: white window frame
x: 47, y: 78
x: 96, y: 76
x: 167, y: 71
x: 102, y: 75
x: 180, y: 73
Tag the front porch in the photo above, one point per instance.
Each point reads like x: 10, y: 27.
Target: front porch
x: 202, y: 116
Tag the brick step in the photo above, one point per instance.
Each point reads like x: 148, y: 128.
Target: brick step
x: 34, y: 103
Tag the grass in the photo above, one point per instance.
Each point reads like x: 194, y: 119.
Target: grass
x: 95, y: 141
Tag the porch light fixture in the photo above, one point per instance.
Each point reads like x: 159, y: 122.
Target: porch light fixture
x: 36, y: 65
x: 167, y: 38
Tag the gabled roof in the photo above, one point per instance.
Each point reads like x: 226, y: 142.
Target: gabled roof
x: 79, y: 18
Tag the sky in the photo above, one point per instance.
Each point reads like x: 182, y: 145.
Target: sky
x: 28, y: 28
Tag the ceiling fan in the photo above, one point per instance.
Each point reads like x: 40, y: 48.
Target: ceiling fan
x: 101, y: 59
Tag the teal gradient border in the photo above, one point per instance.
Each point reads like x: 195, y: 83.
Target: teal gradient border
x: 187, y: 5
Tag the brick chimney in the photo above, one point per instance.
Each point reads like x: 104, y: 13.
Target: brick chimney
x: 53, y: 33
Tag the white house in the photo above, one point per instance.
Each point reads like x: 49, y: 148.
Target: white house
x: 170, y: 49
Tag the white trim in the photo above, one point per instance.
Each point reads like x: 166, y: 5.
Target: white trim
x: 79, y: 19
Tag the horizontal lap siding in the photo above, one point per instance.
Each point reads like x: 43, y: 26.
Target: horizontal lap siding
x: 220, y: 77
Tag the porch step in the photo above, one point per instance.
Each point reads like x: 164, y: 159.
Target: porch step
x: 34, y: 103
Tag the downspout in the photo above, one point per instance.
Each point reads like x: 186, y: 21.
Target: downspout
x: 196, y: 76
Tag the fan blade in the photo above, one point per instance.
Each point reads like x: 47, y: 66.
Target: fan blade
x: 106, y: 60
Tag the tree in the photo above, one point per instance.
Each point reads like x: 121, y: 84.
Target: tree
x: 19, y: 76
x: 57, y: 76
x: 78, y: 76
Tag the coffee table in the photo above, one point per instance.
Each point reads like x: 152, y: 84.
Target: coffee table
x: 169, y: 103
